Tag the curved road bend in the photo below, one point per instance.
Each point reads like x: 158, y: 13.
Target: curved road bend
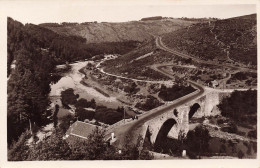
x: 123, y: 77
x: 162, y: 46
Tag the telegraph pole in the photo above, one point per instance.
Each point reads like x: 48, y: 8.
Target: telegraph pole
x: 124, y: 115
x: 30, y: 126
x: 225, y: 76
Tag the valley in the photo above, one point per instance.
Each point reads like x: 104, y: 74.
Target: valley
x: 158, y: 85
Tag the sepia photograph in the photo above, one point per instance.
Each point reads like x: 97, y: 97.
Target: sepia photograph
x: 167, y: 81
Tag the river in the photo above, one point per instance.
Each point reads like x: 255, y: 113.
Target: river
x: 72, y: 80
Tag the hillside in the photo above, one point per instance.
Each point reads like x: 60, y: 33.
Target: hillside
x: 117, y: 32
x: 65, y: 48
x: 35, y: 51
x: 218, y: 41
x: 232, y: 39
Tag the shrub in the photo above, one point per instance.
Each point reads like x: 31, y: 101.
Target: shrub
x: 249, y: 150
x: 150, y: 103
x: 241, y: 133
x: 82, y: 103
x: 223, y: 149
x: 175, y: 92
x: 240, y: 154
x: 232, y: 128
x: 68, y: 97
x: 108, y: 115
x: 220, y: 121
x: 252, y: 134
x: 83, y: 114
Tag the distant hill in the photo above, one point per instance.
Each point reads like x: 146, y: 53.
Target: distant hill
x: 63, y: 47
x: 117, y: 32
x: 228, y: 39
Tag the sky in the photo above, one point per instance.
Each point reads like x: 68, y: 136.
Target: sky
x: 68, y: 11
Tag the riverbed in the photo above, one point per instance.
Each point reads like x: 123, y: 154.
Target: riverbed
x: 72, y: 80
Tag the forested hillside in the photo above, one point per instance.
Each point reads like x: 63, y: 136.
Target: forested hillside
x: 28, y: 85
x: 233, y: 38
x: 118, y: 32
x: 63, y: 48
x: 36, y: 51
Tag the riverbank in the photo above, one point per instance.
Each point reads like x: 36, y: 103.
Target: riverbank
x: 73, y: 79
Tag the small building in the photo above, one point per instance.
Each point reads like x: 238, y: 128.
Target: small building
x: 80, y: 129
x: 214, y: 83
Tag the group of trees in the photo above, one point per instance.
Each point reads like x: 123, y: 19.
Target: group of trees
x: 243, y: 76
x: 197, y: 142
x: 28, y: 85
x: 56, y: 148
x: 90, y: 110
x: 109, y: 115
x: 100, y: 114
x: 198, y: 19
x: 175, y: 92
x: 131, y: 88
x: 241, y: 108
x: 152, y: 18
x: 68, y: 98
x: 150, y: 103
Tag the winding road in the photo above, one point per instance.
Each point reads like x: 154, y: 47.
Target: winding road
x: 123, y: 77
x: 162, y: 46
x: 133, y: 128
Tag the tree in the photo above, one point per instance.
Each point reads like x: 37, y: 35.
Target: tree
x: 249, y: 149
x: 240, y: 154
x: 52, y: 148
x: 94, y: 148
x: 19, y: 150
x: 83, y: 114
x: 82, y: 103
x: 175, y: 112
x: 55, y: 118
x: 93, y: 103
x: 252, y: 134
x: 223, y: 149
x: 197, y: 141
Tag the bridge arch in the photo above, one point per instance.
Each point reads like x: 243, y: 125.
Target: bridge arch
x: 163, y: 132
x: 193, y: 109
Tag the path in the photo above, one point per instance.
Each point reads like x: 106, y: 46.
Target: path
x: 162, y: 46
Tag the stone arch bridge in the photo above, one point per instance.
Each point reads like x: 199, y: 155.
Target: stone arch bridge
x: 175, y: 120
